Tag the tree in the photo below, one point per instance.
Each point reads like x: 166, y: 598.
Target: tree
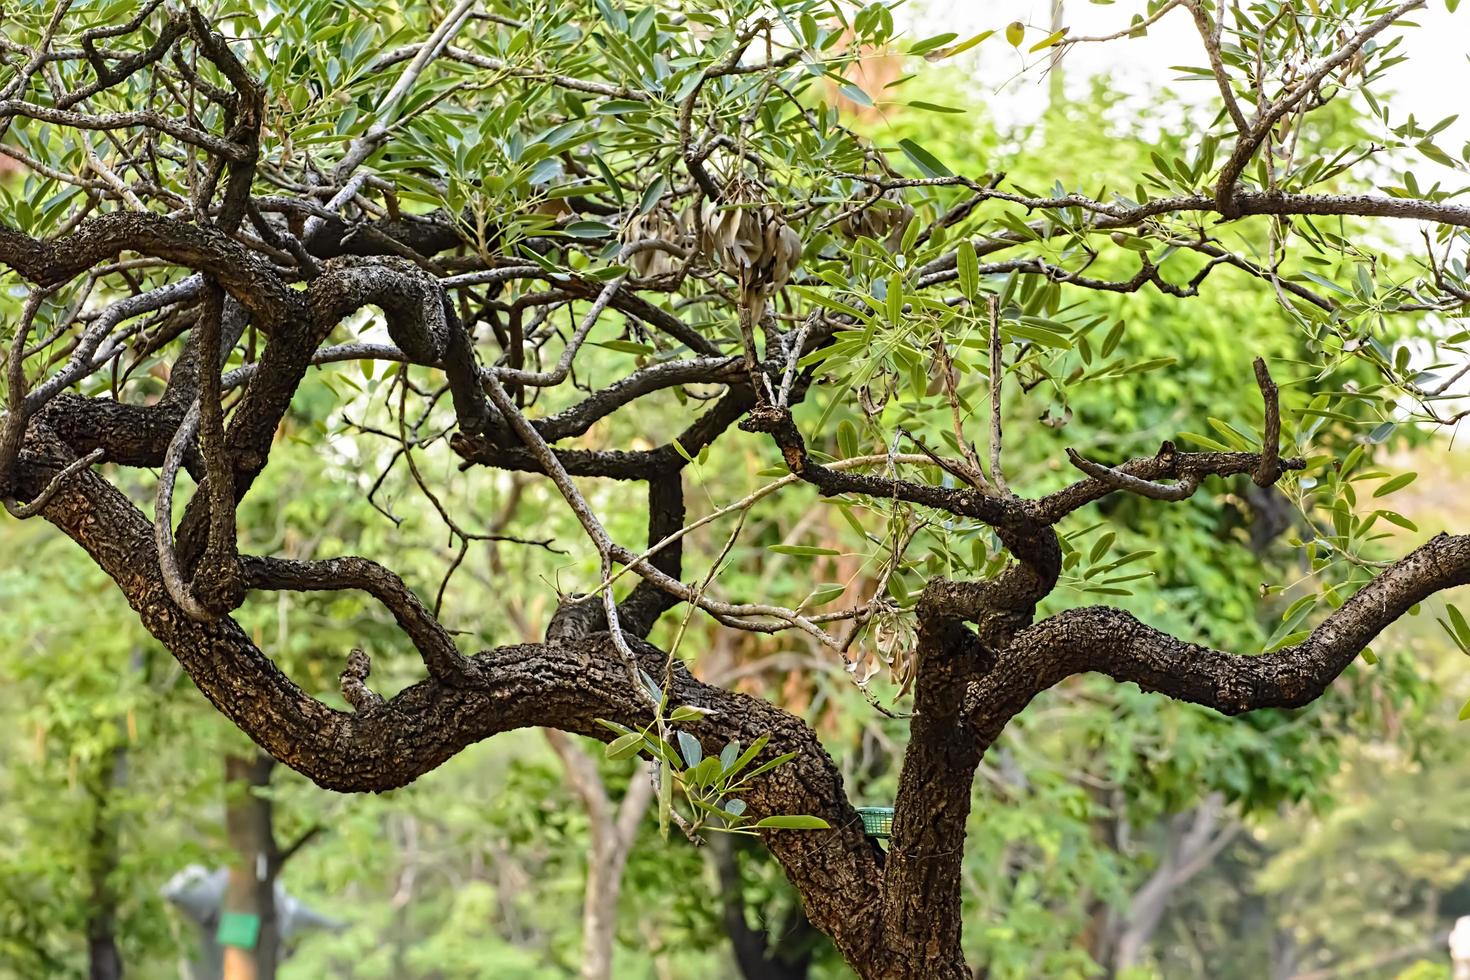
x: 561, y: 212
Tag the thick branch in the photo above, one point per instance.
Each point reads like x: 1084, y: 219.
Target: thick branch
x: 1113, y: 642
x: 567, y: 687
x: 241, y: 272
x: 429, y: 637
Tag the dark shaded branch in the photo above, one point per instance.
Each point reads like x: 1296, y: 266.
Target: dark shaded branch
x: 1269, y: 470
x: 242, y: 273
x: 647, y: 602
x: 964, y: 502
x: 576, y: 420
x: 420, y: 319
x: 429, y: 637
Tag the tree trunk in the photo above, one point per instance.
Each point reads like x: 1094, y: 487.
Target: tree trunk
x: 612, y: 834
x: 251, y: 888
x: 760, y: 956
x: 104, y: 962
x: 1194, y: 841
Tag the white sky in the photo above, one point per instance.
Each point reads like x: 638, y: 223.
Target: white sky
x: 1433, y: 83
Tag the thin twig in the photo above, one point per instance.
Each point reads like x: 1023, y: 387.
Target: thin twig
x: 35, y: 506
x: 1119, y: 480
x: 996, y: 368
x: 163, y: 533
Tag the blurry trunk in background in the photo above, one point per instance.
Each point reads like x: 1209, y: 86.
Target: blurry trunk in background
x: 612, y: 831
x: 760, y: 954
x: 251, y: 889
x: 1194, y: 840
x: 103, y: 960
x: 1054, y: 64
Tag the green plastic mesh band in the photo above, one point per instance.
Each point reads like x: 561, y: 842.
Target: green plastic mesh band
x: 877, y: 820
x: 239, y: 929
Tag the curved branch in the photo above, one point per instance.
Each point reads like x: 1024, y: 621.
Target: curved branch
x: 1113, y: 642
x: 1140, y: 472
x: 242, y: 273
x: 163, y: 534
x: 569, y: 687
x: 1118, y: 480
x: 137, y: 118
x: 420, y: 319
x: 430, y: 638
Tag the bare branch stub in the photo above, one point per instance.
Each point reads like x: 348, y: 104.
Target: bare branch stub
x: 1269, y: 471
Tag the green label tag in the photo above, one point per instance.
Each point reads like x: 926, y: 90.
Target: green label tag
x: 239, y: 929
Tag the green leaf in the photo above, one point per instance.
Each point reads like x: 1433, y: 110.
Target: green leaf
x: 745, y: 757
x: 803, y: 550
x: 1461, y: 628
x: 1327, y: 283
x: 780, y: 760
x: 927, y: 162
x: 855, y: 94
x: 960, y: 48
x: 1397, y: 483
x: 1100, y: 546
x: 665, y: 798
x: 793, y: 821
x: 1040, y: 335
x: 1205, y: 441
x: 690, y: 749
x: 1049, y: 40
x: 587, y: 229
x: 824, y: 594
x: 1015, y: 33
x: 1398, y: 519
x: 621, y: 107
x: 1436, y: 154
x: 704, y: 773
x: 651, y: 686
x: 930, y: 43
x: 688, y: 712
x: 624, y: 746
x: 651, y: 194
x: 968, y: 268
x: 1465, y: 711
x: 626, y: 347
x: 1285, y: 632
x: 847, y: 438
x: 933, y: 107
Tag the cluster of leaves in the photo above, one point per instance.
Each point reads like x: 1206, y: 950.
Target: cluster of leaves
x: 710, y: 786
